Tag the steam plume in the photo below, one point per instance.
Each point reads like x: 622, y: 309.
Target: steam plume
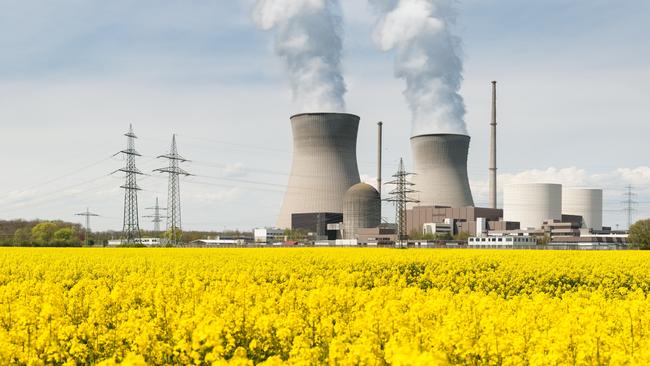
x: 308, y: 38
x: 427, y: 58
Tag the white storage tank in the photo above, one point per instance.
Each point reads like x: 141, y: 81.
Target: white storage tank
x: 585, y: 202
x: 531, y: 204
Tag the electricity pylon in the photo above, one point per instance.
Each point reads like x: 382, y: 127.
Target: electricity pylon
x: 130, y: 227
x: 156, y: 216
x: 629, y: 204
x: 400, y: 196
x: 173, y: 190
x: 87, y: 214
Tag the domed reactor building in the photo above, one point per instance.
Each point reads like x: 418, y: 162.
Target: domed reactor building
x: 324, y: 167
x: 361, y: 209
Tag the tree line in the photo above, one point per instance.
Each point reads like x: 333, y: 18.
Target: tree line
x: 66, y: 234
x: 41, y: 233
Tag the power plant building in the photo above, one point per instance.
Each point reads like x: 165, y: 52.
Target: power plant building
x: 440, y: 167
x: 324, y: 164
x: 532, y: 204
x: 473, y: 220
x: 361, y: 209
x: 585, y: 202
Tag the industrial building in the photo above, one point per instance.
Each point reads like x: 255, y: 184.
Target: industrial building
x: 319, y: 225
x: 324, y: 164
x: 472, y: 220
x: 267, y: 235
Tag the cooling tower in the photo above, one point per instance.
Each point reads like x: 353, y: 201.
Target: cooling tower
x: 440, y: 167
x: 324, y: 164
x: 585, y: 202
x: 531, y: 204
x: 361, y: 209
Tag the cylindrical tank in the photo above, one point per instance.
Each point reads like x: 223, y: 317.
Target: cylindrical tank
x: 361, y: 209
x: 440, y: 167
x: 531, y: 204
x: 324, y: 164
x: 586, y: 202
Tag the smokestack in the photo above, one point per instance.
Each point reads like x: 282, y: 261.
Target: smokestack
x: 324, y: 164
x: 440, y: 166
x: 379, y: 138
x: 493, y: 149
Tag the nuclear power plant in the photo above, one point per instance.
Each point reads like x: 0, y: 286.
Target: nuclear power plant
x: 325, y: 198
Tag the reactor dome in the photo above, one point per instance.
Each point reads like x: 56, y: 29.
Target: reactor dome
x: 361, y: 209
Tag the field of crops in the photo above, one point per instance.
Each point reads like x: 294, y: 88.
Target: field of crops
x: 315, y: 306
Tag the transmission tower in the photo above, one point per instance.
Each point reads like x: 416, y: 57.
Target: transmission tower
x: 400, y: 196
x: 629, y: 204
x: 130, y: 227
x: 173, y: 190
x: 156, y: 217
x: 87, y: 214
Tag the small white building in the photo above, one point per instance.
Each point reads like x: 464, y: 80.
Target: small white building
x: 501, y: 241
x: 437, y: 228
x: 268, y: 235
x: 150, y: 242
x: 217, y: 242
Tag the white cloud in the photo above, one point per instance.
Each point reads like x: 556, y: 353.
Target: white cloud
x: 234, y: 170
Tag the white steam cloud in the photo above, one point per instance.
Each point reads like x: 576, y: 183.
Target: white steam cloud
x: 427, y: 58
x: 308, y: 38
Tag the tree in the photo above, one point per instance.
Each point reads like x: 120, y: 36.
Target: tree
x: 174, y: 236
x: 462, y: 236
x: 43, y: 233
x: 23, y: 237
x: 66, y: 236
x: 295, y: 234
x: 640, y: 234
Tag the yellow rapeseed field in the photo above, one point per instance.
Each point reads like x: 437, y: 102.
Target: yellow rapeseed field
x: 305, y: 306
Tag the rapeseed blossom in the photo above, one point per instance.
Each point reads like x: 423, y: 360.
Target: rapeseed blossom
x: 305, y: 306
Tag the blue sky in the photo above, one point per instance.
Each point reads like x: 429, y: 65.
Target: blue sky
x: 574, y: 80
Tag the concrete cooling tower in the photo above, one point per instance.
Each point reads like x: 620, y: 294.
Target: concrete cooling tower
x: 324, y: 164
x: 440, y: 167
x: 585, y: 202
x: 531, y: 204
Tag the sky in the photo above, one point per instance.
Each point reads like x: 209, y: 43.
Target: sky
x: 573, y: 91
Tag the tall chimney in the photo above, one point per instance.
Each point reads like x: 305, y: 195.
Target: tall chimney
x: 379, y: 138
x: 493, y: 149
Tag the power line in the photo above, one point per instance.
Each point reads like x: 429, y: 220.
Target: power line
x: 87, y: 214
x: 156, y: 216
x: 400, y: 196
x: 173, y: 189
x: 130, y: 226
x: 629, y: 204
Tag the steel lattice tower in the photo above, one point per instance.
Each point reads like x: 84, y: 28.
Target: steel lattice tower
x: 400, y: 196
x: 130, y: 227
x: 173, y: 189
x: 87, y: 214
x: 629, y: 204
x: 156, y: 217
